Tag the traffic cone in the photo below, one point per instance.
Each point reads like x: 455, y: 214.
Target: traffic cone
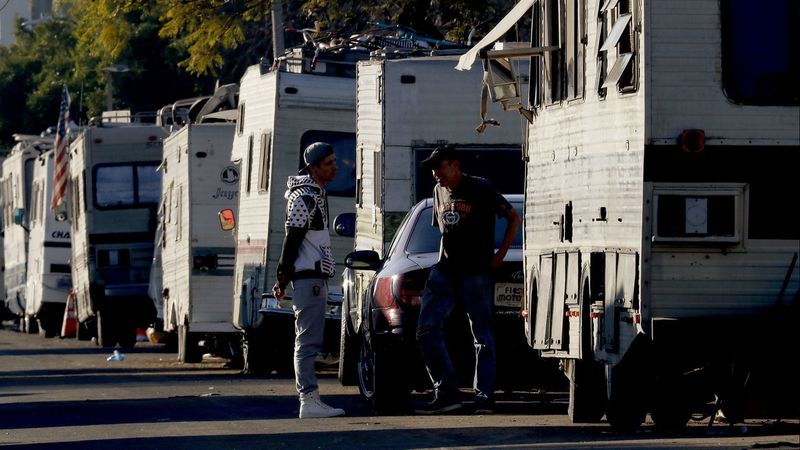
x: 69, y: 326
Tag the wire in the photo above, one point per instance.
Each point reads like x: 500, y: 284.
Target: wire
x: 4, y: 5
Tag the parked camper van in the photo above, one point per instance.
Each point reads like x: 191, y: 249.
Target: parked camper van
x: 280, y: 113
x: 115, y: 191
x: 49, y: 277
x: 197, y: 257
x: 17, y: 184
x: 405, y: 108
x: 662, y: 150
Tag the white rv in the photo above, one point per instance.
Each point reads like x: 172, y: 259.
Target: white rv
x: 405, y: 108
x: 49, y: 277
x: 17, y: 183
x: 280, y: 113
x: 115, y: 191
x: 661, y: 268
x: 197, y: 257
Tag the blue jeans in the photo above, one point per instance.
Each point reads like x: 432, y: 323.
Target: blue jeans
x: 309, y: 299
x: 441, y: 293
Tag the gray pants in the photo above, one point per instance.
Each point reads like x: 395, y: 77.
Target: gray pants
x: 309, y: 299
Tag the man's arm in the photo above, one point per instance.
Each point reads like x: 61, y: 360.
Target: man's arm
x: 512, y: 225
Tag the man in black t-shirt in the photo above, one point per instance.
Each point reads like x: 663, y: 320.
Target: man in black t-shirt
x: 465, y: 208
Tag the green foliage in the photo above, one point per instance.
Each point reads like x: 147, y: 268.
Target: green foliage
x: 32, y: 72
x: 173, y: 47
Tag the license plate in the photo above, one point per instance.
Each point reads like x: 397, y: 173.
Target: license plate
x: 508, y: 295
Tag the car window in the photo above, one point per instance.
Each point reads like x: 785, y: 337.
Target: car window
x: 425, y: 237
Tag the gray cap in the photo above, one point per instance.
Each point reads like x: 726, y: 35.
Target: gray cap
x: 315, y: 153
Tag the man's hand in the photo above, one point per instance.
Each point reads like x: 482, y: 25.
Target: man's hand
x: 278, y: 291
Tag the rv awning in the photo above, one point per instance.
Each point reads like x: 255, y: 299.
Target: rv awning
x: 467, y: 59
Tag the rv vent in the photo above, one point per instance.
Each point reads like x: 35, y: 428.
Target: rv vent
x: 290, y: 90
x: 201, y: 154
x: 408, y: 79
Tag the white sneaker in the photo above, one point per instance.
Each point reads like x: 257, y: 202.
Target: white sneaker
x: 312, y: 407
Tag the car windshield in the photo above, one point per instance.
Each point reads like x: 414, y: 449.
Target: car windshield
x: 425, y: 237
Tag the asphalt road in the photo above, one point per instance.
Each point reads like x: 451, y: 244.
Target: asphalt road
x: 63, y: 394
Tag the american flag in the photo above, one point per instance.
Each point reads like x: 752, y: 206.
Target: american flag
x: 62, y: 157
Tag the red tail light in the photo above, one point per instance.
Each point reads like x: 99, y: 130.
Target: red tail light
x: 408, y: 287
x: 399, y: 289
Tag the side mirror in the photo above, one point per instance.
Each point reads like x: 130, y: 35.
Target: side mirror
x: 19, y: 216
x: 345, y: 224
x: 227, y: 219
x: 503, y: 81
x: 363, y: 260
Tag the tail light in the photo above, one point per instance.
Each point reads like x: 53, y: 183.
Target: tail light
x: 401, y: 289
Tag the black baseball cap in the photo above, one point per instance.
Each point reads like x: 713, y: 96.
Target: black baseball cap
x: 440, y: 153
x: 315, y: 153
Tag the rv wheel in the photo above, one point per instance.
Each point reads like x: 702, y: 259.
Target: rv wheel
x: 188, y: 350
x: 587, y: 391
x: 105, y: 329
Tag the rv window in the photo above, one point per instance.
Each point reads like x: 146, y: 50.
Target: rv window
x: 28, y: 186
x: 249, y: 163
x: 617, y: 45
x: 240, y: 124
x: 134, y: 185
x: 554, y: 61
x: 761, y: 52
x: 263, y: 178
x: 149, y: 184
x: 344, y: 146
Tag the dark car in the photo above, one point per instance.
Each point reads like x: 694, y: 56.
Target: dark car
x: 378, y: 348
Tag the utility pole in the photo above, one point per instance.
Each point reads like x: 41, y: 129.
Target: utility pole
x: 277, y: 29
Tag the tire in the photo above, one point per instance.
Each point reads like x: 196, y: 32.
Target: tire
x: 254, y: 360
x: 30, y: 324
x: 381, y: 379
x: 587, y: 391
x: 188, y: 350
x: 627, y: 400
x: 86, y: 330
x: 106, y: 329
x: 671, y: 408
x: 348, y: 350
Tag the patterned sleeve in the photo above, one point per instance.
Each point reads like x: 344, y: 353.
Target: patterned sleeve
x: 298, y: 212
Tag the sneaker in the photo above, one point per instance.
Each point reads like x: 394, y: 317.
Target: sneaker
x: 441, y: 403
x: 311, y: 406
x: 483, y: 405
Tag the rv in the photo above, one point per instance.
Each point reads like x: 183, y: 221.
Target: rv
x: 17, y: 184
x: 49, y: 277
x: 405, y: 108
x: 197, y: 257
x: 662, y: 149
x: 281, y: 111
x: 115, y: 192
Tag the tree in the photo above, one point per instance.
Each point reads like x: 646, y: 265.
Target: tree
x: 32, y: 73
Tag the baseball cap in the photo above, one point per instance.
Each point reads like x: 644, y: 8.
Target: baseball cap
x: 315, y: 153
x: 440, y: 153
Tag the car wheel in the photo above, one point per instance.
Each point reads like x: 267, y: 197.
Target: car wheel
x: 348, y: 349
x: 381, y: 379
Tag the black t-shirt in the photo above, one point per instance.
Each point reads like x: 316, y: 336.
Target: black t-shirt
x: 466, y: 218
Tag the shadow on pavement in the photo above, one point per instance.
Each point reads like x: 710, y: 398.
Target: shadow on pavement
x: 492, y: 437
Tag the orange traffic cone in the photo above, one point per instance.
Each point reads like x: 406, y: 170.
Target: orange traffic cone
x: 69, y: 327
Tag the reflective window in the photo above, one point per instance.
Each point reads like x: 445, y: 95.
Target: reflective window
x: 132, y: 185
x: 761, y: 52
x: 344, y: 146
x: 425, y: 237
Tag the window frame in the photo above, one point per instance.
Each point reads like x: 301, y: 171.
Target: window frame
x: 133, y: 165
